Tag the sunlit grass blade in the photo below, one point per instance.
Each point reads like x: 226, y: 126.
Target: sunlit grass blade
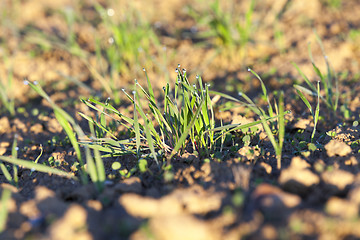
x: 5, y: 197
x: 303, y: 98
x: 90, y: 120
x: 148, y: 129
x: 317, y: 112
x: 307, y: 81
x: 6, y: 173
x: 136, y: 127
x: 281, y: 129
x: 271, y: 111
x: 185, y: 134
x: 14, y: 154
x: 68, y: 124
x: 38, y: 167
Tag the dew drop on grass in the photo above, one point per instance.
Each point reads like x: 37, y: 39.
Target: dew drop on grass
x: 240, y: 94
x: 179, y: 65
x: 135, y: 80
x: 249, y: 70
x: 176, y: 70
x: 111, y: 40
x: 35, y: 82
x: 110, y: 12
x: 134, y: 92
x: 184, y: 70
x: 17, y: 148
x: 197, y: 76
x: 26, y: 82
x: 144, y: 69
x: 123, y: 89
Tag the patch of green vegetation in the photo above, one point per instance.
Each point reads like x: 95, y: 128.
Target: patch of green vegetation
x: 5, y: 197
x: 230, y: 31
x: 7, y: 92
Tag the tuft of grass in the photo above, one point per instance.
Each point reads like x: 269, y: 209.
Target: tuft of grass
x: 163, y: 129
x: 276, y: 137
x: 184, y: 121
x: 95, y: 169
x: 230, y: 32
x: 275, y: 134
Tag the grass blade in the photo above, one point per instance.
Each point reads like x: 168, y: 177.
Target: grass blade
x: 5, y: 197
x: 37, y: 167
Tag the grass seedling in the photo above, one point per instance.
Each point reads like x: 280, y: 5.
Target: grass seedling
x: 329, y: 82
x: 6, y: 98
x: 36, y: 167
x: 12, y: 179
x: 314, y: 114
x: 94, y: 168
x: 5, y: 197
x: 14, y: 154
x: 184, y: 118
x: 266, y: 118
x: 279, y: 108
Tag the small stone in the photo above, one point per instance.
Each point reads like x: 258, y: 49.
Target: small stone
x: 72, y: 226
x: 289, y: 200
x: 4, y: 125
x: 182, y: 227
x: 341, y: 208
x: 352, y: 161
x: 337, y: 148
x: 94, y: 204
x: 299, y: 163
x: 132, y: 184
x: 3, y: 147
x: 340, y: 179
x: 297, y: 178
x: 36, y: 128
x: 267, y: 167
x: 354, y: 194
x: 272, y: 202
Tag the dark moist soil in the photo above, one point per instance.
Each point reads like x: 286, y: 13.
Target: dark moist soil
x: 238, y: 194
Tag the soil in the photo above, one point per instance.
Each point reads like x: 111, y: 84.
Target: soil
x: 237, y: 195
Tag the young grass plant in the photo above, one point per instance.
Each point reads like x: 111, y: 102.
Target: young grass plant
x: 329, y: 82
x: 94, y: 168
x: 314, y: 114
x: 6, y: 98
x: 184, y: 119
x: 266, y: 118
x: 5, y: 197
